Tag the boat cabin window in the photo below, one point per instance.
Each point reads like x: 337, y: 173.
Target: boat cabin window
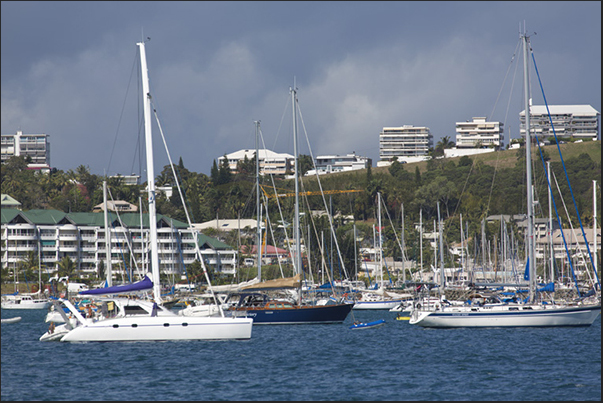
x: 279, y: 305
x: 134, y: 310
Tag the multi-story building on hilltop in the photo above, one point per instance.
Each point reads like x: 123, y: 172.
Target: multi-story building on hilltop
x: 576, y: 122
x: 479, y: 133
x: 269, y: 161
x: 35, y: 146
x: 408, y: 143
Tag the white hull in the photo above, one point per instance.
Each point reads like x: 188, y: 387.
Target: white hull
x: 148, y: 328
x: 11, y: 320
x: 200, y: 310
x: 35, y: 304
x: 148, y: 323
x: 56, y: 334
x: 507, y: 316
x: 385, y: 304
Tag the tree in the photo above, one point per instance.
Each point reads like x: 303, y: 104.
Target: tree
x: 304, y: 164
x: 245, y: 168
x: 214, y: 174
x: 224, y: 173
x: 66, y: 267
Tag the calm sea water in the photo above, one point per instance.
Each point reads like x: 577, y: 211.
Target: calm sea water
x: 309, y: 362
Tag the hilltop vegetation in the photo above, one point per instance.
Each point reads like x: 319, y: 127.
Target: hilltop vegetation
x: 475, y: 186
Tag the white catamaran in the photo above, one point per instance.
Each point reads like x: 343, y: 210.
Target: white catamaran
x: 124, y: 319
x: 532, y: 313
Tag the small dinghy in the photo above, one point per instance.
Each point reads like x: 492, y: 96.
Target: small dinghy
x: 361, y: 325
x: 11, y: 320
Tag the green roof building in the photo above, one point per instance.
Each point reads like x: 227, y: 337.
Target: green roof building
x: 81, y: 237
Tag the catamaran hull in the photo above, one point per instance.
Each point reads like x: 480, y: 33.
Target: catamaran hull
x: 144, y: 328
x: 305, y: 315
x: 569, y: 316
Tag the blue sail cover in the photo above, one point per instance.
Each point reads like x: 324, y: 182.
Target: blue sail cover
x: 550, y: 287
x: 144, y: 284
x: 526, y: 274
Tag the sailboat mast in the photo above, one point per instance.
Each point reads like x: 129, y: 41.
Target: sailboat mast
x: 257, y: 184
x: 440, y: 235
x: 108, y: 270
x: 421, y: 237
x: 530, y: 205
x: 380, y: 240
x: 552, y: 252
x: 595, y: 225
x: 146, y: 98
x: 298, y: 267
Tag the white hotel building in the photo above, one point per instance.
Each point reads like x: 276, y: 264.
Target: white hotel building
x: 270, y: 162
x: 576, y: 122
x: 53, y: 235
x: 479, y: 132
x: 408, y: 143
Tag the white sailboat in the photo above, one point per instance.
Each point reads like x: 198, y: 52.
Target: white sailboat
x: 380, y: 298
x: 532, y: 313
x: 124, y: 319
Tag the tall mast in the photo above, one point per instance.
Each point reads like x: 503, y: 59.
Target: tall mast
x: 421, y: 238
x: 257, y: 183
x: 355, y: 253
x: 298, y: 267
x: 552, y: 255
x: 440, y: 230
x: 403, y: 245
x: 380, y: 240
x: 530, y: 205
x: 462, y: 244
x: 595, y: 225
x: 108, y: 270
x: 146, y: 99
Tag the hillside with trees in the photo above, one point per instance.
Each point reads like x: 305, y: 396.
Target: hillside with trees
x: 472, y: 186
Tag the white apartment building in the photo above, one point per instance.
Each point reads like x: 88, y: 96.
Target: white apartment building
x: 53, y: 234
x: 479, y: 133
x: 578, y: 122
x: 405, y: 142
x: 34, y: 145
x: 340, y: 163
x: 270, y: 162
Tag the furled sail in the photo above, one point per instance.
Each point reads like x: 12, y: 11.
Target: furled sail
x: 289, y: 282
x: 144, y: 284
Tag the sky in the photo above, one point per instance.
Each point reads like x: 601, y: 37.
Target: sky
x: 69, y: 70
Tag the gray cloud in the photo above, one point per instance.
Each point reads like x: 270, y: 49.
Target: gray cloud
x: 215, y: 67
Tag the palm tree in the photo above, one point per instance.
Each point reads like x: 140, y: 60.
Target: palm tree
x: 445, y: 143
x: 66, y: 267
